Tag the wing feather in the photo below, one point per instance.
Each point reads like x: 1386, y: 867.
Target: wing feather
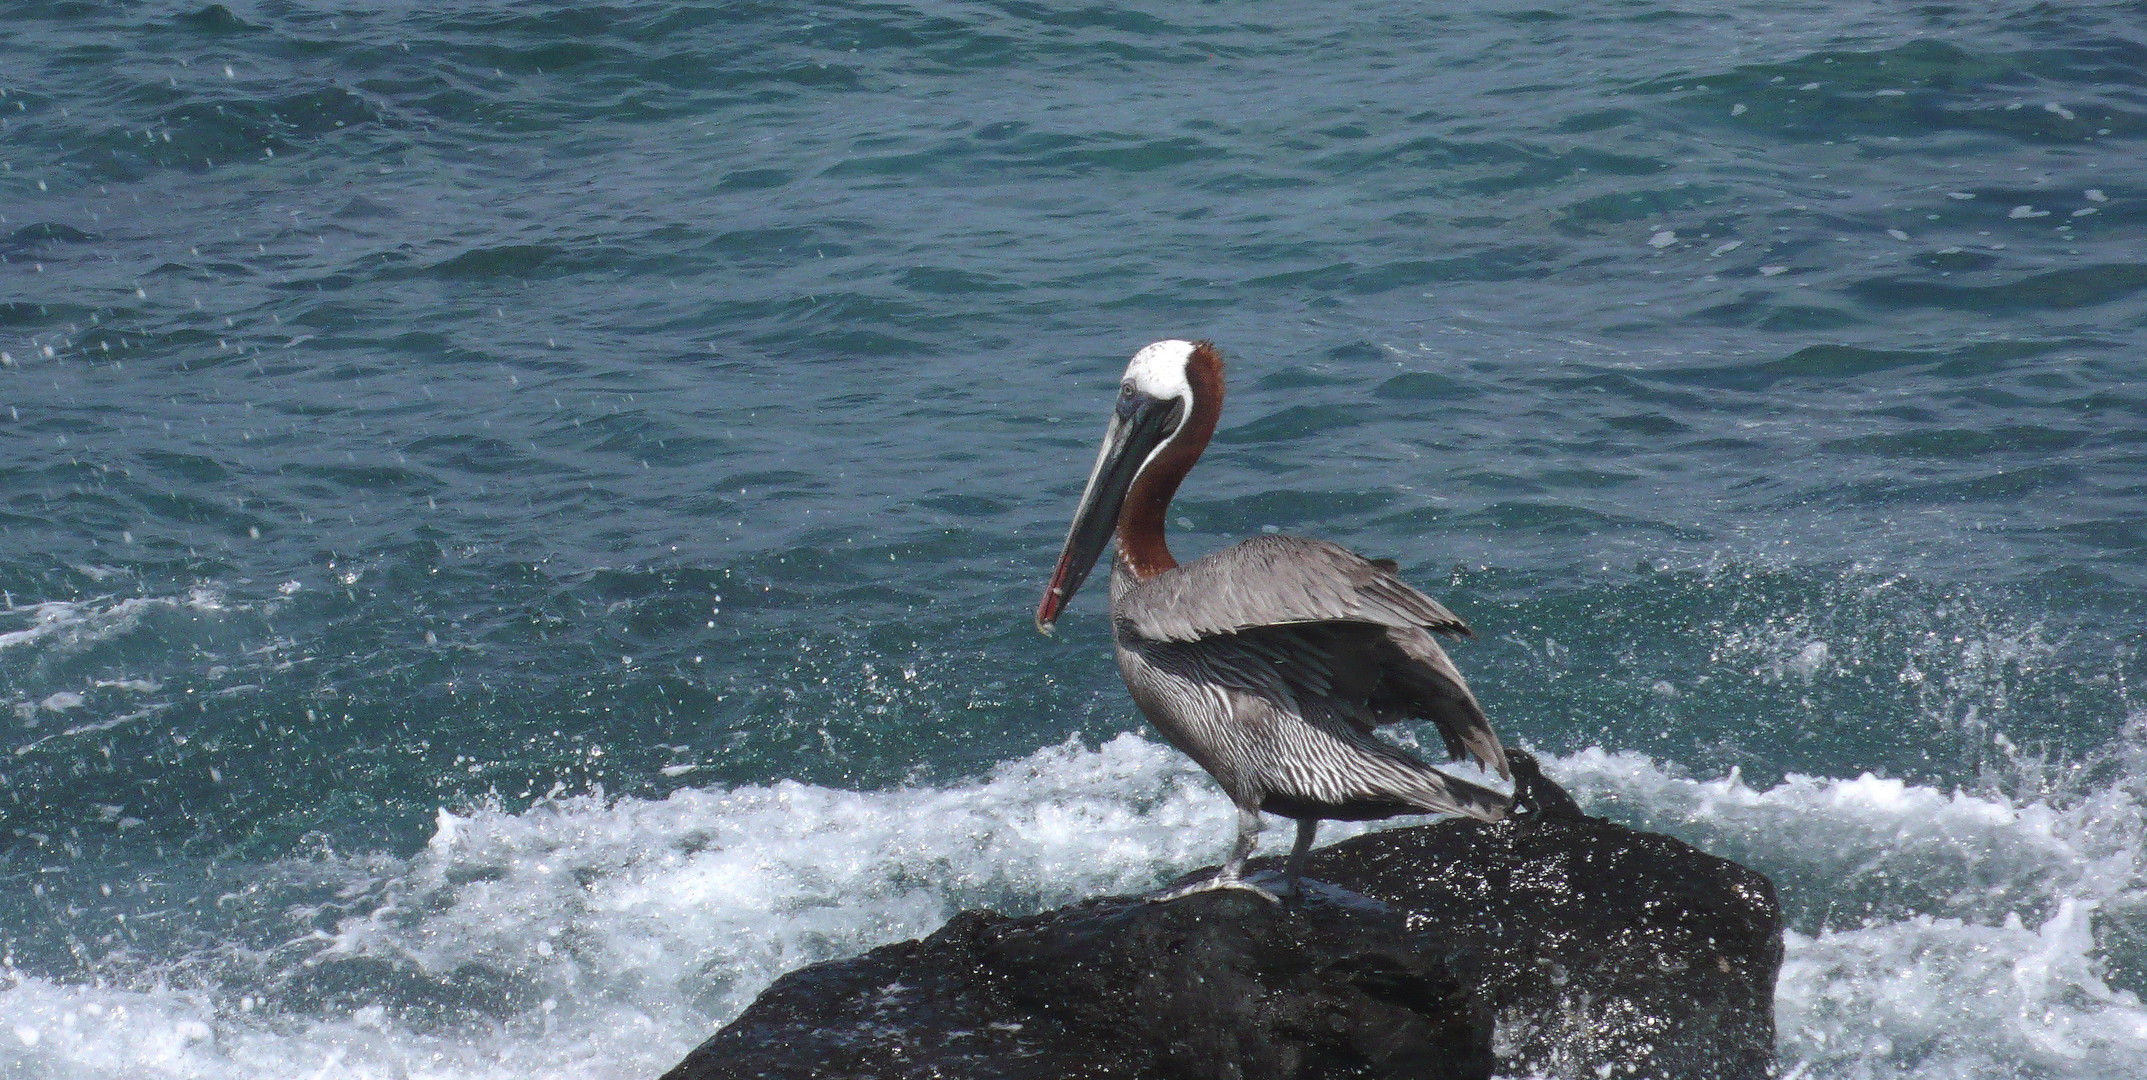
x: 1276, y: 581
x: 1339, y: 632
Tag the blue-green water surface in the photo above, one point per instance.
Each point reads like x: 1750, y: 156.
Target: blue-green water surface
x: 519, y: 521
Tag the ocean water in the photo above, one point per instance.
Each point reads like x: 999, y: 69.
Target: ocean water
x: 519, y: 520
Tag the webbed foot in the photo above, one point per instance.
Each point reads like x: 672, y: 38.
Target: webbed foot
x: 1219, y: 881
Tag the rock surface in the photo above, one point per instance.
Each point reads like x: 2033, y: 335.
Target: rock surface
x: 1552, y: 944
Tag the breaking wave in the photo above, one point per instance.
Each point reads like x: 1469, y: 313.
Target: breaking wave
x: 1935, y: 934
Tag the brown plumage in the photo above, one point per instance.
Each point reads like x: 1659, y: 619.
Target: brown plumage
x: 1272, y: 662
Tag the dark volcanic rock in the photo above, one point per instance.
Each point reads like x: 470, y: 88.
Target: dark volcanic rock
x: 1221, y: 984
x: 1597, y: 950
x: 1597, y: 945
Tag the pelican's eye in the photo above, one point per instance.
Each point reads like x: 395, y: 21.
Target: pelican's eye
x: 1129, y: 400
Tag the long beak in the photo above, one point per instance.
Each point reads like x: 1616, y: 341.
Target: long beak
x: 1140, y: 424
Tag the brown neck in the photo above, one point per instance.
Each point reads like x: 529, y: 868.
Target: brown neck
x: 1140, y: 522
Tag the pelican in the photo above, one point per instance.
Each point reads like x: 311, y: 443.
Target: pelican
x: 1271, y: 662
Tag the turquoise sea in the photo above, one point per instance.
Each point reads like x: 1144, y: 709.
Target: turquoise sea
x: 519, y: 521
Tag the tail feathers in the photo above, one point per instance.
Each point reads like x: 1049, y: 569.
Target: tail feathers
x: 1436, y: 792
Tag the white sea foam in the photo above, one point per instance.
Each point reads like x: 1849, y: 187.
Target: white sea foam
x: 66, y: 624
x: 40, y: 633
x: 1973, y: 955
x: 619, y: 933
x: 629, y: 928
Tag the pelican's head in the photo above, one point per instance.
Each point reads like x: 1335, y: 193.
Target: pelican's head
x: 1155, y: 399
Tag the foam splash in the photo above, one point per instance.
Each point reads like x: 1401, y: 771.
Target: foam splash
x: 1946, y: 934
x: 595, y: 938
x: 48, y: 633
x: 606, y: 939
x: 65, y: 625
x: 1947, y: 997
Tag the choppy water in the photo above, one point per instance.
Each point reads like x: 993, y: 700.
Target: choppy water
x: 518, y: 521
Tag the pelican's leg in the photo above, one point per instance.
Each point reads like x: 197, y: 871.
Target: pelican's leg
x: 1293, y: 873
x: 1232, y: 875
x: 1248, y: 837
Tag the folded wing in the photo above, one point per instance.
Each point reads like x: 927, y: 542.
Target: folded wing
x: 1278, y: 580
x: 1328, y: 625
